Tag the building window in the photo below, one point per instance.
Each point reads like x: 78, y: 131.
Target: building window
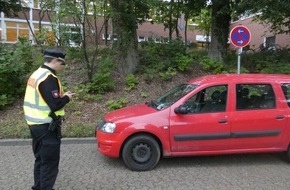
x: 36, y: 4
x: 157, y: 40
x: 115, y: 37
x: 150, y: 39
x: 71, y: 35
x: 270, y: 41
x: 15, y: 30
x: 25, y: 3
x: 108, y: 36
x: 141, y: 38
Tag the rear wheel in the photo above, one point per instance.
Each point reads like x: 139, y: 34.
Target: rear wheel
x: 141, y: 153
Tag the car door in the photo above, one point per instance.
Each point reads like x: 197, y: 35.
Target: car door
x: 204, y: 126
x: 258, y: 122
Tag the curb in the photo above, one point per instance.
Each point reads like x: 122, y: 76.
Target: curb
x: 24, y: 142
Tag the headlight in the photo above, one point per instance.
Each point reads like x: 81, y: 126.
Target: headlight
x: 108, y: 127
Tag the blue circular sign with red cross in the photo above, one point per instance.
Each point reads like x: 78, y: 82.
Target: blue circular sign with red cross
x: 240, y: 36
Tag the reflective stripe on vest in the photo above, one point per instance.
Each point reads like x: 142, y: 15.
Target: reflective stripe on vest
x: 35, y: 108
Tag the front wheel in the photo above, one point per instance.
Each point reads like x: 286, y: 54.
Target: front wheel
x: 288, y: 154
x: 141, y: 153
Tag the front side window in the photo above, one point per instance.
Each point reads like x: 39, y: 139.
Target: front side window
x: 208, y: 100
x: 171, y: 96
x: 255, y: 96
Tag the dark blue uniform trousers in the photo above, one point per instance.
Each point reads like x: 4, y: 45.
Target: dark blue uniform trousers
x: 46, y: 149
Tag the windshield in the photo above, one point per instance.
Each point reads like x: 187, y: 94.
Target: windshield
x: 171, y: 96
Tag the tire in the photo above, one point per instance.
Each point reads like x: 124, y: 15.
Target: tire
x: 141, y: 153
x: 288, y: 154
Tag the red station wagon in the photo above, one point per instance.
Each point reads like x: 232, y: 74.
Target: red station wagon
x: 209, y: 115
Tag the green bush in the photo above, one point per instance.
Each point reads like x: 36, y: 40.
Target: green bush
x: 211, y: 65
x: 149, y: 75
x: 276, y: 62
x: 5, y: 100
x: 74, y: 54
x: 143, y: 95
x: 151, y: 58
x: 131, y: 82
x: 102, y: 81
x: 164, y: 60
x: 15, y: 66
x: 116, y: 104
x: 169, y: 74
x: 267, y: 62
x: 183, y: 62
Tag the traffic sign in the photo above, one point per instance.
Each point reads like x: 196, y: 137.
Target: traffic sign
x: 240, y: 36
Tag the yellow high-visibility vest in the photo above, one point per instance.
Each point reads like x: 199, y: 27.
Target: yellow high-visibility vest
x: 36, y: 110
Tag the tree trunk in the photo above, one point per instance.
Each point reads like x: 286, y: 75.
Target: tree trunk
x: 170, y: 20
x: 220, y: 30
x: 185, y: 32
x: 125, y: 28
x: 106, y: 22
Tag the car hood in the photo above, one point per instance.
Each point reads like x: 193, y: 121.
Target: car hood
x: 129, y: 112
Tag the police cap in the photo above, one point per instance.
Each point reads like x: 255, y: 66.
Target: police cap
x: 55, y: 53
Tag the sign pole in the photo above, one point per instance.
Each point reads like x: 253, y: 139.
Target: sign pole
x: 240, y: 50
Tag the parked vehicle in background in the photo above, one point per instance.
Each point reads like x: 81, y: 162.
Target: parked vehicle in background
x: 209, y: 115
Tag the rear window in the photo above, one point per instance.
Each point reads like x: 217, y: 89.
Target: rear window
x: 255, y: 96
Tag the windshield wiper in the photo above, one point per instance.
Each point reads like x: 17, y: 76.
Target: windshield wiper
x: 151, y: 103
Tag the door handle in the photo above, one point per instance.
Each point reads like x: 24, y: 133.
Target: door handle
x: 280, y: 117
x: 223, y: 121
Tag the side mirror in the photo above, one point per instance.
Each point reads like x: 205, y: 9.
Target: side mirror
x: 181, y: 110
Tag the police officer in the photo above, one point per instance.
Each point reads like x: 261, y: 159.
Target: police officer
x: 43, y: 108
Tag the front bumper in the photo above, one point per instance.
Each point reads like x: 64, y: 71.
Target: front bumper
x: 109, y: 144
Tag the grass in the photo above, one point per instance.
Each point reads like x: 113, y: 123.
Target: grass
x: 79, y: 130
x: 14, y: 128
x: 17, y: 128
x: 13, y: 125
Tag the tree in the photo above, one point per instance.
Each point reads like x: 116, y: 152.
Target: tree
x: 192, y: 8
x: 204, y: 23
x: 10, y: 7
x: 276, y: 13
x: 124, y: 18
x: 84, y: 33
x: 40, y: 37
x: 163, y: 12
x: 221, y: 17
x: 106, y: 11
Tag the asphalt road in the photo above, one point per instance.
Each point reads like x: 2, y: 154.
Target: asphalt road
x: 83, y: 168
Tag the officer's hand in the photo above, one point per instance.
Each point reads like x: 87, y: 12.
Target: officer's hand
x: 69, y: 94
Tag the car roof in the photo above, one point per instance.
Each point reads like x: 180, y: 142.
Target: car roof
x: 241, y: 78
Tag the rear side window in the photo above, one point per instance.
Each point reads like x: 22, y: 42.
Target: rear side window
x: 255, y: 96
x: 286, y: 91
